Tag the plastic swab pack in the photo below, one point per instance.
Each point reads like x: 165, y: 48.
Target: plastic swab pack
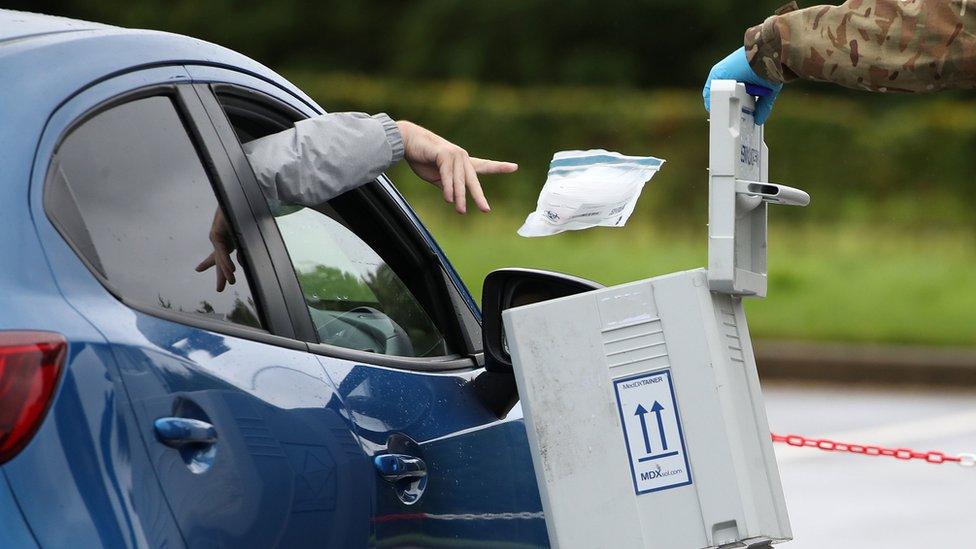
x: 594, y: 188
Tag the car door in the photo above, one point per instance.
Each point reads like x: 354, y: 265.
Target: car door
x: 399, y: 336
x: 247, y: 435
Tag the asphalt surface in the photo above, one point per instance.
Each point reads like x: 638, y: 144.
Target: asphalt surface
x: 843, y: 500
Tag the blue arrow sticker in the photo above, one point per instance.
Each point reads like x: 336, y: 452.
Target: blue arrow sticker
x: 658, y: 459
x: 660, y: 424
x: 647, y: 439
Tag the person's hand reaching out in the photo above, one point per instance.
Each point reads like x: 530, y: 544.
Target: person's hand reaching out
x: 222, y: 238
x: 445, y: 165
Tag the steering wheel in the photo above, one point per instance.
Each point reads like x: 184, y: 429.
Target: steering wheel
x: 382, y: 331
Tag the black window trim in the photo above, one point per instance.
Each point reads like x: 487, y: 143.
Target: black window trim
x: 288, y: 279
x: 268, y: 298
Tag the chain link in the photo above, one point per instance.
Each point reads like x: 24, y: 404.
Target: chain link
x: 906, y: 454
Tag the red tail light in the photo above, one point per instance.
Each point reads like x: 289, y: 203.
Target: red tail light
x: 30, y: 363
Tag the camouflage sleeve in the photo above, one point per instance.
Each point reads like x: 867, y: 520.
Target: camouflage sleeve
x: 877, y: 45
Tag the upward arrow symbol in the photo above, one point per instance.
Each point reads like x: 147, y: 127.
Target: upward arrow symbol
x: 660, y: 423
x: 641, y: 411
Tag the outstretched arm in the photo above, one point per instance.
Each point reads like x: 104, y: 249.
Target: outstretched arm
x: 876, y: 45
x: 325, y: 156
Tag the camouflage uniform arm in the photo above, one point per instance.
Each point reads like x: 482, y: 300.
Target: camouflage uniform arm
x: 877, y: 45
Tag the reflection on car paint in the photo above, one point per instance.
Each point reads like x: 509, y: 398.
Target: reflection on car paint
x: 464, y: 447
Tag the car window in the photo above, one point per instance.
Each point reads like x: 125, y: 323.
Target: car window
x: 364, y: 286
x: 129, y: 190
x: 355, y: 298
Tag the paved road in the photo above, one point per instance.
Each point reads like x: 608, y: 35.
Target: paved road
x: 842, y: 501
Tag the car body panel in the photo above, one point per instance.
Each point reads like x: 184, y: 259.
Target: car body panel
x: 84, y: 480
x: 82, y: 461
x: 287, y: 466
x: 14, y: 531
x: 482, y: 486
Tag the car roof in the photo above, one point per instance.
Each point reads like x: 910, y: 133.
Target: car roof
x: 33, y: 45
x: 21, y: 24
x: 47, y: 60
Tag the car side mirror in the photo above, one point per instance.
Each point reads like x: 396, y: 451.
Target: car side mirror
x: 507, y: 288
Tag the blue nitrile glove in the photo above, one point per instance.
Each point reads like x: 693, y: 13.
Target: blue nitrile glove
x: 736, y: 67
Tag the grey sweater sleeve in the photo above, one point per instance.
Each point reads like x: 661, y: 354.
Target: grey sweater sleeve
x: 324, y: 156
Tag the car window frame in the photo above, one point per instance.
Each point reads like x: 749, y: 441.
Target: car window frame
x: 392, y: 212
x: 278, y: 330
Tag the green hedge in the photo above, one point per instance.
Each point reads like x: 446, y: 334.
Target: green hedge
x: 621, y: 42
x: 881, y: 254
x: 909, y: 162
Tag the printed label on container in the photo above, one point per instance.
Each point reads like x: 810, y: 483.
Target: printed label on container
x: 652, y: 431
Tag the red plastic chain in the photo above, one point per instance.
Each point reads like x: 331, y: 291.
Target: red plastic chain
x: 965, y: 460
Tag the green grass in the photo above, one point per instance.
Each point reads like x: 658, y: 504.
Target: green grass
x: 850, y: 283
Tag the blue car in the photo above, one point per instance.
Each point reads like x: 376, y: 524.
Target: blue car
x: 341, y: 394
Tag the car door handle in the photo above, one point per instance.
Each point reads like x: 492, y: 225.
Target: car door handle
x: 397, y: 467
x: 177, y: 432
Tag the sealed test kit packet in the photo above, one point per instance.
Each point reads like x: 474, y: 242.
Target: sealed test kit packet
x: 594, y: 188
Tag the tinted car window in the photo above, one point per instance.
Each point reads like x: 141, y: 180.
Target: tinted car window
x: 129, y: 190
x: 355, y: 298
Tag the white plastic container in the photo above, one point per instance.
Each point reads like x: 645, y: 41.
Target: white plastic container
x: 642, y: 403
